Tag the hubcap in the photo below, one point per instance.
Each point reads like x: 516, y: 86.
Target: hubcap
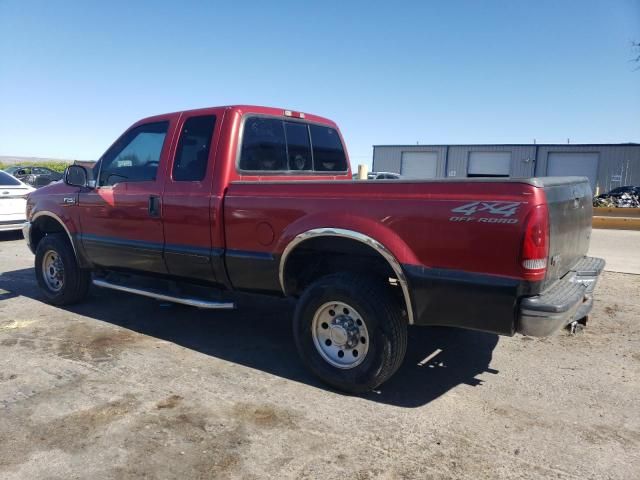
x: 53, y: 270
x: 340, y: 335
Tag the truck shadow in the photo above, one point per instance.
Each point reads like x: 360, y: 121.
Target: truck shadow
x: 258, y: 335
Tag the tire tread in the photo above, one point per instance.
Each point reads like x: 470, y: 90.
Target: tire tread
x: 77, y: 280
x: 390, y: 320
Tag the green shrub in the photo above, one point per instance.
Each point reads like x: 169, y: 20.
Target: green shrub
x: 56, y: 166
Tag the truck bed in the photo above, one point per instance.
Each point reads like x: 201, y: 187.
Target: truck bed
x: 449, y: 235
x: 414, y: 218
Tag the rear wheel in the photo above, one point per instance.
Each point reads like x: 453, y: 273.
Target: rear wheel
x: 60, y: 278
x: 350, y: 332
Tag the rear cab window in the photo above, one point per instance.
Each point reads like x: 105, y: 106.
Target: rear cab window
x: 192, y: 154
x: 283, y: 146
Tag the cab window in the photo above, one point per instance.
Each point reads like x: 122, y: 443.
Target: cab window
x: 193, y: 149
x: 298, y: 146
x: 263, y: 145
x: 328, y: 153
x: 135, y: 157
x: 276, y: 145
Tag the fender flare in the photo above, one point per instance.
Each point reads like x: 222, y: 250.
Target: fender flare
x: 46, y: 213
x: 352, y: 235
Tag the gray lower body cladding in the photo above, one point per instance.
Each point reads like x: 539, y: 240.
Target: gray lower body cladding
x: 502, y: 305
x: 469, y: 300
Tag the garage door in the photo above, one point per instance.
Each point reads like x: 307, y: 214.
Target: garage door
x: 489, y: 164
x: 572, y: 164
x: 419, y: 164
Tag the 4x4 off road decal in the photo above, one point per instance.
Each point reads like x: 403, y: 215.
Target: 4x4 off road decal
x: 490, y: 212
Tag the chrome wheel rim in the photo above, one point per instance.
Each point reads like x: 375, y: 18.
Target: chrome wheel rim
x: 53, y: 271
x: 340, y: 335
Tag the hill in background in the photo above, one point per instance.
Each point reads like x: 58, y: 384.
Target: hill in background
x: 9, y: 160
x: 58, y: 164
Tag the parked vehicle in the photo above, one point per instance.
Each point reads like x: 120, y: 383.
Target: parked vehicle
x: 379, y: 176
x: 13, y: 203
x: 261, y: 200
x: 383, y: 176
x: 35, y: 176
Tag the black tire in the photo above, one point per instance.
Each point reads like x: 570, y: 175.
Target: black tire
x: 75, y: 281
x: 382, y: 316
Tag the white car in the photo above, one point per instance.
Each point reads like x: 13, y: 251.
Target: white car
x: 13, y: 202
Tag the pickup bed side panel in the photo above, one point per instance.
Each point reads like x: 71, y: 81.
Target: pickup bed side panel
x: 458, y: 242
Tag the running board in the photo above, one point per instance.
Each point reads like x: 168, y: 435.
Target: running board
x: 193, y: 302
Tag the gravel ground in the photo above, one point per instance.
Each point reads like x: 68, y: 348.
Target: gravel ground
x: 127, y: 387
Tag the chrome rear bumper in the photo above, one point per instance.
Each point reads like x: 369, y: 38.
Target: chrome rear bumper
x: 568, y: 299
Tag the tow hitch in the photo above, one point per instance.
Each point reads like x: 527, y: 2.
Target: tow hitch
x: 577, y: 326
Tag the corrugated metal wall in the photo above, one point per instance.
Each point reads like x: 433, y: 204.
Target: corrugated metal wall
x: 615, y: 161
x: 389, y: 159
x: 522, y: 158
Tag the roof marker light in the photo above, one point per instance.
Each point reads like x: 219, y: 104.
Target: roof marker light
x: 290, y: 113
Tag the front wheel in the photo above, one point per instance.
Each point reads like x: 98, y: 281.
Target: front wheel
x: 60, y: 278
x: 350, y: 332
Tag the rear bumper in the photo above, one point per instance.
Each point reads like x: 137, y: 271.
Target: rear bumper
x: 7, y: 225
x: 568, y: 299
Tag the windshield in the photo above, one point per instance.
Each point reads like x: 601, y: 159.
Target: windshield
x: 8, y: 180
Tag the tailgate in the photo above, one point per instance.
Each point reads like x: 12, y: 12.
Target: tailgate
x: 570, y: 214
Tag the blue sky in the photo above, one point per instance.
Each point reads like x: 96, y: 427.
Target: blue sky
x: 74, y: 75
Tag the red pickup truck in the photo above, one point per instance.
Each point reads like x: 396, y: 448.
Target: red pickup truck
x: 188, y: 205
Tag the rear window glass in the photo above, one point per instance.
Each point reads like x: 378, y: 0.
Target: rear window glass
x: 263, y: 145
x: 328, y: 154
x: 7, y: 180
x: 275, y: 145
x: 298, y: 146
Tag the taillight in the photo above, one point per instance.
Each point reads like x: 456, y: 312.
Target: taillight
x: 535, y: 247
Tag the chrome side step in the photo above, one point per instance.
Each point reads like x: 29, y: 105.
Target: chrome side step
x: 193, y: 302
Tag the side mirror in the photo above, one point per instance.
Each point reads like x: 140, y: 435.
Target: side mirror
x: 76, y: 176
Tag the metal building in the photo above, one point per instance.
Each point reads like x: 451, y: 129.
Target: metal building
x: 606, y: 165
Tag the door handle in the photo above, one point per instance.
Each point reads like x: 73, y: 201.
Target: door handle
x: 154, y: 206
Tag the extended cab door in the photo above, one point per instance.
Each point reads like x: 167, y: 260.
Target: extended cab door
x: 120, y: 219
x: 187, y: 214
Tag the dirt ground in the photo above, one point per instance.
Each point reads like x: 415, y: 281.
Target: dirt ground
x: 127, y: 387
